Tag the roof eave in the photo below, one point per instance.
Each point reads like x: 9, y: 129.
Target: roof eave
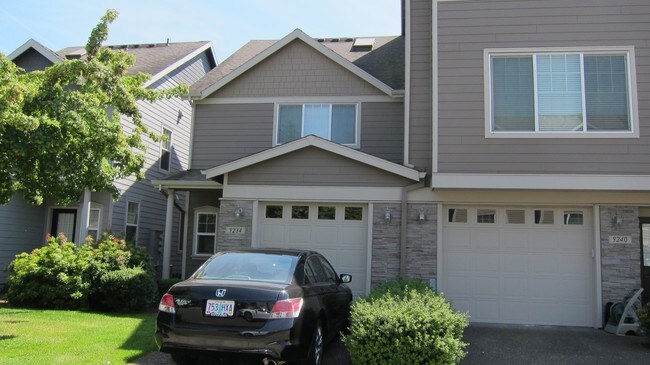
x: 38, y: 47
x: 179, y: 63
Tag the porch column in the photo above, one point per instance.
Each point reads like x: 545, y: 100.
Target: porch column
x: 167, y: 243
x: 85, y: 217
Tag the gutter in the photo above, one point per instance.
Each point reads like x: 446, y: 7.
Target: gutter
x: 403, y: 233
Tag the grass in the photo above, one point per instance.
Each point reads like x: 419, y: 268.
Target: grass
x: 30, y: 336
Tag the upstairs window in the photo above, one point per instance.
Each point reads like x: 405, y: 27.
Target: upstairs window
x: 560, y: 94
x: 132, y: 219
x: 335, y: 122
x: 165, y: 150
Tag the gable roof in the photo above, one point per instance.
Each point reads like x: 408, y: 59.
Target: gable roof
x: 155, y: 59
x: 382, y: 66
x: 321, y: 143
x: 38, y: 47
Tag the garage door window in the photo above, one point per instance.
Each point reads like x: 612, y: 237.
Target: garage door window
x: 273, y: 211
x: 516, y: 216
x: 544, y: 217
x: 573, y: 218
x: 353, y: 213
x: 486, y: 216
x: 457, y: 215
x: 326, y: 213
x: 299, y: 212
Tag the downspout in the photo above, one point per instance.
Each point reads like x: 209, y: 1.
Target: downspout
x: 403, y: 233
x: 407, y: 83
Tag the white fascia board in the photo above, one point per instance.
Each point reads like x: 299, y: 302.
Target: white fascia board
x: 320, y: 143
x: 541, y: 181
x: 296, y: 34
x: 179, y: 184
x: 312, y: 193
x: 178, y: 63
x: 46, y: 52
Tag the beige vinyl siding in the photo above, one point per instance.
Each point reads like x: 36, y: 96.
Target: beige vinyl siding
x: 312, y: 166
x: 226, y: 132
x: 420, y: 88
x: 467, y: 27
x: 297, y: 70
x: 382, y: 130
x: 21, y: 229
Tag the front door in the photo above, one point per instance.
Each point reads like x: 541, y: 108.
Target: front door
x: 64, y: 220
x: 645, y: 258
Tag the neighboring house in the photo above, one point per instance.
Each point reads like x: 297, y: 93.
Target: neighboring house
x: 139, y: 213
x: 506, y: 163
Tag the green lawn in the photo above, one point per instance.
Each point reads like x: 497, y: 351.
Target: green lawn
x: 35, y: 337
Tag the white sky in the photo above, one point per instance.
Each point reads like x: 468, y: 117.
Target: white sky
x: 229, y: 24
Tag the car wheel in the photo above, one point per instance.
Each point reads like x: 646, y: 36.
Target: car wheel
x: 248, y: 316
x: 315, y: 356
x: 183, y: 358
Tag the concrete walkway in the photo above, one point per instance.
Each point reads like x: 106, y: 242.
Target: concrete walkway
x: 537, y: 345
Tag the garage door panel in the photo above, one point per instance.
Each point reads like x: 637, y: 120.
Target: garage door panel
x: 352, y: 234
x: 525, y: 273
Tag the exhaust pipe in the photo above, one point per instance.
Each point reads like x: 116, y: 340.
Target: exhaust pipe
x: 269, y: 361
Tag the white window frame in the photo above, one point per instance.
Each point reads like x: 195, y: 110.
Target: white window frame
x: 99, y: 223
x: 126, y: 219
x: 196, y: 234
x: 357, y: 105
x: 628, y: 51
x: 162, y: 149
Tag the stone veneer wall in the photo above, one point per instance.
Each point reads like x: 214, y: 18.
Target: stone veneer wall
x: 227, y: 219
x: 385, y: 244
x: 420, y: 243
x: 620, y: 263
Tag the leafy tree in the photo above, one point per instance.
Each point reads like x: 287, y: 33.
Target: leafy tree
x: 60, y: 129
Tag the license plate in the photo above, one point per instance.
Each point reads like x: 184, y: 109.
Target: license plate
x: 219, y: 308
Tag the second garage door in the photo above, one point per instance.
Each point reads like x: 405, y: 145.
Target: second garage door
x: 520, y: 265
x: 338, y: 231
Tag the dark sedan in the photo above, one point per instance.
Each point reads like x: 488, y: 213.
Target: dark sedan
x: 279, y: 305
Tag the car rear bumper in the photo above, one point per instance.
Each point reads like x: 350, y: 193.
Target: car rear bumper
x: 273, y: 340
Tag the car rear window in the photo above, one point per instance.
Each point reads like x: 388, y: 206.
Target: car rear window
x: 251, y: 266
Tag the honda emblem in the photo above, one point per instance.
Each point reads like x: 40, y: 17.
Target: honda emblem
x: 220, y: 293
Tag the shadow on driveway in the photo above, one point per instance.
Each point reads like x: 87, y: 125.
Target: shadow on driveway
x: 500, y: 344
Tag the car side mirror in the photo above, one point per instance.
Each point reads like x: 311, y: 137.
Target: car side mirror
x: 345, y: 278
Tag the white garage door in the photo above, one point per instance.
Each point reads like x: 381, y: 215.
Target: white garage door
x: 338, y: 231
x: 520, y: 265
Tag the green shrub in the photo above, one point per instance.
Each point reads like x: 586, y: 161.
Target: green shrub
x: 644, y: 318
x: 398, y: 324
x: 49, y: 277
x: 127, y: 289
x: 63, y: 276
x: 398, y: 287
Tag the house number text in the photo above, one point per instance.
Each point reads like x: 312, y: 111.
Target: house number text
x: 620, y: 239
x: 235, y: 230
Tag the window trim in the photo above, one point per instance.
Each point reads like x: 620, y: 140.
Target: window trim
x: 195, y: 233
x: 628, y: 51
x: 126, y: 219
x: 161, y: 149
x: 99, y: 222
x: 276, y: 119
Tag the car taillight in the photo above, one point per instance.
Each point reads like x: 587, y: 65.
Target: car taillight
x: 288, y: 308
x: 167, y: 304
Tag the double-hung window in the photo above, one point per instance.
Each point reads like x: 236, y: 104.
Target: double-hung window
x: 94, y: 222
x: 132, y: 218
x: 560, y: 93
x: 335, y: 122
x: 165, y: 149
x: 205, y: 236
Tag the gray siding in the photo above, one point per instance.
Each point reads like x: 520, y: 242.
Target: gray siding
x: 32, y: 60
x: 420, y: 89
x: 297, y: 70
x: 313, y: 166
x: 21, y: 230
x: 382, y: 130
x: 466, y: 28
x: 224, y: 133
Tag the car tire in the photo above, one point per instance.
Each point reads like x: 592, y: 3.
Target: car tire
x: 315, y: 355
x: 183, y: 358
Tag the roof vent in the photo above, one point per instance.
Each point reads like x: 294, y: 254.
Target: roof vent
x: 76, y: 54
x: 335, y: 39
x: 349, y: 39
x: 320, y: 40
x: 363, y: 42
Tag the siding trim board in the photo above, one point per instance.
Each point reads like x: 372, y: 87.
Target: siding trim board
x: 542, y: 181
x: 322, y: 144
x: 313, y: 193
x: 296, y: 34
x: 303, y: 99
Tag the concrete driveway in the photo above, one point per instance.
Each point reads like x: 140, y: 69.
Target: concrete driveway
x: 497, y: 344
